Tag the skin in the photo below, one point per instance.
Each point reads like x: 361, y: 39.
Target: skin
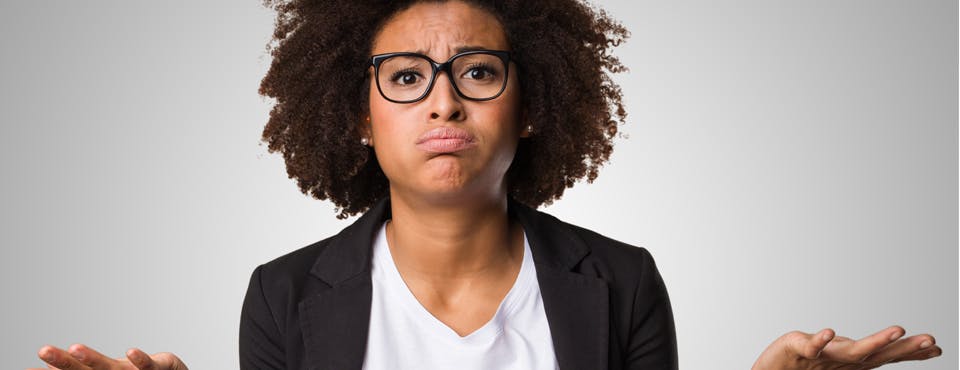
x: 825, y: 350
x: 450, y: 235
x: 81, y: 357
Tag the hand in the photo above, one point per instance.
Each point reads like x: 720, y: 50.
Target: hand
x: 825, y: 351
x: 81, y: 357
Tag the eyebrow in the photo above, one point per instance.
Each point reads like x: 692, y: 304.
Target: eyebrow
x: 458, y: 50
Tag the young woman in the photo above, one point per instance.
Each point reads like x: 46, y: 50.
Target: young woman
x: 447, y: 123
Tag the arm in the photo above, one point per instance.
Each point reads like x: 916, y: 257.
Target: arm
x: 261, y: 342
x: 653, y: 339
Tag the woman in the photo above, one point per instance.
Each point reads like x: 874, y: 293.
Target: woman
x: 470, y: 115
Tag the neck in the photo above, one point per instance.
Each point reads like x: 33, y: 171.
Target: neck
x: 448, y: 241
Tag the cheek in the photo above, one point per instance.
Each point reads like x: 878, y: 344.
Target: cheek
x: 381, y: 113
x: 508, y: 113
x: 388, y: 136
x: 512, y: 103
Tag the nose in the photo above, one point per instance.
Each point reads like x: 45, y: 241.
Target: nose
x: 443, y: 101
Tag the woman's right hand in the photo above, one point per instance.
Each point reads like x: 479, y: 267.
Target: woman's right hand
x: 81, y: 357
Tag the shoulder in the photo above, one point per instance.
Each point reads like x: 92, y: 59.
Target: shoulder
x: 294, y: 266
x: 604, y: 256
x: 641, y: 318
x: 278, y: 285
x: 332, y: 260
x: 611, y: 250
x: 629, y: 271
x: 323, y: 264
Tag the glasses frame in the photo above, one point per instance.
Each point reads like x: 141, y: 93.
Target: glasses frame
x: 378, y: 59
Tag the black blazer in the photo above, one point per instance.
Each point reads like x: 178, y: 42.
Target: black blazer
x: 605, y: 302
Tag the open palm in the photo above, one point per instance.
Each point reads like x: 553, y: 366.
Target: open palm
x: 826, y: 351
x: 81, y: 357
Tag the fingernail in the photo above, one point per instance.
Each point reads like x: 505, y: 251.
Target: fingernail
x: 925, y: 344
x: 48, y: 356
x: 895, y: 336
x: 827, y: 336
x: 77, y: 355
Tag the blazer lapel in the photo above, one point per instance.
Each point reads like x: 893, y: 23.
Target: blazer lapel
x: 335, y: 318
x: 576, y: 305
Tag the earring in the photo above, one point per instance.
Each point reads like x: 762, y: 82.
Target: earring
x: 363, y: 139
x: 530, y: 129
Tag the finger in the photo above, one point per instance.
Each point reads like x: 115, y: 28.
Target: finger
x: 810, y: 346
x: 169, y: 361
x: 60, y: 359
x: 141, y: 359
x: 90, y: 357
x: 857, y: 351
x: 918, y: 347
x: 928, y: 353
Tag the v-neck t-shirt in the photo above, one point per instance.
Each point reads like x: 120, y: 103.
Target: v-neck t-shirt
x: 404, y: 335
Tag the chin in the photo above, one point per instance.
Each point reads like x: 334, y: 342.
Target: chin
x: 457, y: 192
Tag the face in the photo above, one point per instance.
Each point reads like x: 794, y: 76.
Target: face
x: 444, y: 146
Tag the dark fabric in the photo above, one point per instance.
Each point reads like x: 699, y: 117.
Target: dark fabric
x: 606, y: 305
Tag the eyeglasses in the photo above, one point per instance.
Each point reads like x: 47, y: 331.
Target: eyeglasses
x: 475, y: 75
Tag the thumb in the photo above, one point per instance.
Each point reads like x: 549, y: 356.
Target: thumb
x: 141, y: 359
x: 169, y: 361
x: 809, y: 346
x: 157, y: 361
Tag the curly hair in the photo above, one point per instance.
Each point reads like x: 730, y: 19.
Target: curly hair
x: 321, y: 52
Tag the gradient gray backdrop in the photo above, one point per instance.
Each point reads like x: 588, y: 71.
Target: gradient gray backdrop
x: 790, y: 165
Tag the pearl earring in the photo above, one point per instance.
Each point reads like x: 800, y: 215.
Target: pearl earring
x: 363, y: 140
x: 530, y: 129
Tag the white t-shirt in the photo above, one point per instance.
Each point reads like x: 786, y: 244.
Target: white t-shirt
x: 404, y: 335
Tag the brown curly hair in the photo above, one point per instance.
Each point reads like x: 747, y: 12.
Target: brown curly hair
x: 321, y: 52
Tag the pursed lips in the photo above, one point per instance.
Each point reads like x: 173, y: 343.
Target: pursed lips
x: 442, y: 140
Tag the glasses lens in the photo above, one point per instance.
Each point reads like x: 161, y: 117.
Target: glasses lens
x: 404, y: 78
x: 479, y: 76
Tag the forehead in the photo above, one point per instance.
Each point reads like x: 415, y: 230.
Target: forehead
x: 440, y: 30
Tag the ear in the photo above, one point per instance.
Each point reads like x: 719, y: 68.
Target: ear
x: 366, y: 129
x: 525, y: 131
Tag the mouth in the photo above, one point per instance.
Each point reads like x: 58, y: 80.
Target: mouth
x: 444, y: 140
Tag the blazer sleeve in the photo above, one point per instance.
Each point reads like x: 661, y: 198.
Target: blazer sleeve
x: 261, y: 342
x: 653, y: 338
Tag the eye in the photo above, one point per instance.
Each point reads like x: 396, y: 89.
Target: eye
x: 480, y: 72
x: 405, y: 77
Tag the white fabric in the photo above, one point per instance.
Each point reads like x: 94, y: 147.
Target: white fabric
x: 404, y: 335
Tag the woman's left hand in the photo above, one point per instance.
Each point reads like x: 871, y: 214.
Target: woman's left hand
x: 824, y: 350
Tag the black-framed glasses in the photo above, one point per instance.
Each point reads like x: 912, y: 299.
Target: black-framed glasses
x: 408, y: 77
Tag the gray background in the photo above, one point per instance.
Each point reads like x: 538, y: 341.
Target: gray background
x: 790, y: 165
